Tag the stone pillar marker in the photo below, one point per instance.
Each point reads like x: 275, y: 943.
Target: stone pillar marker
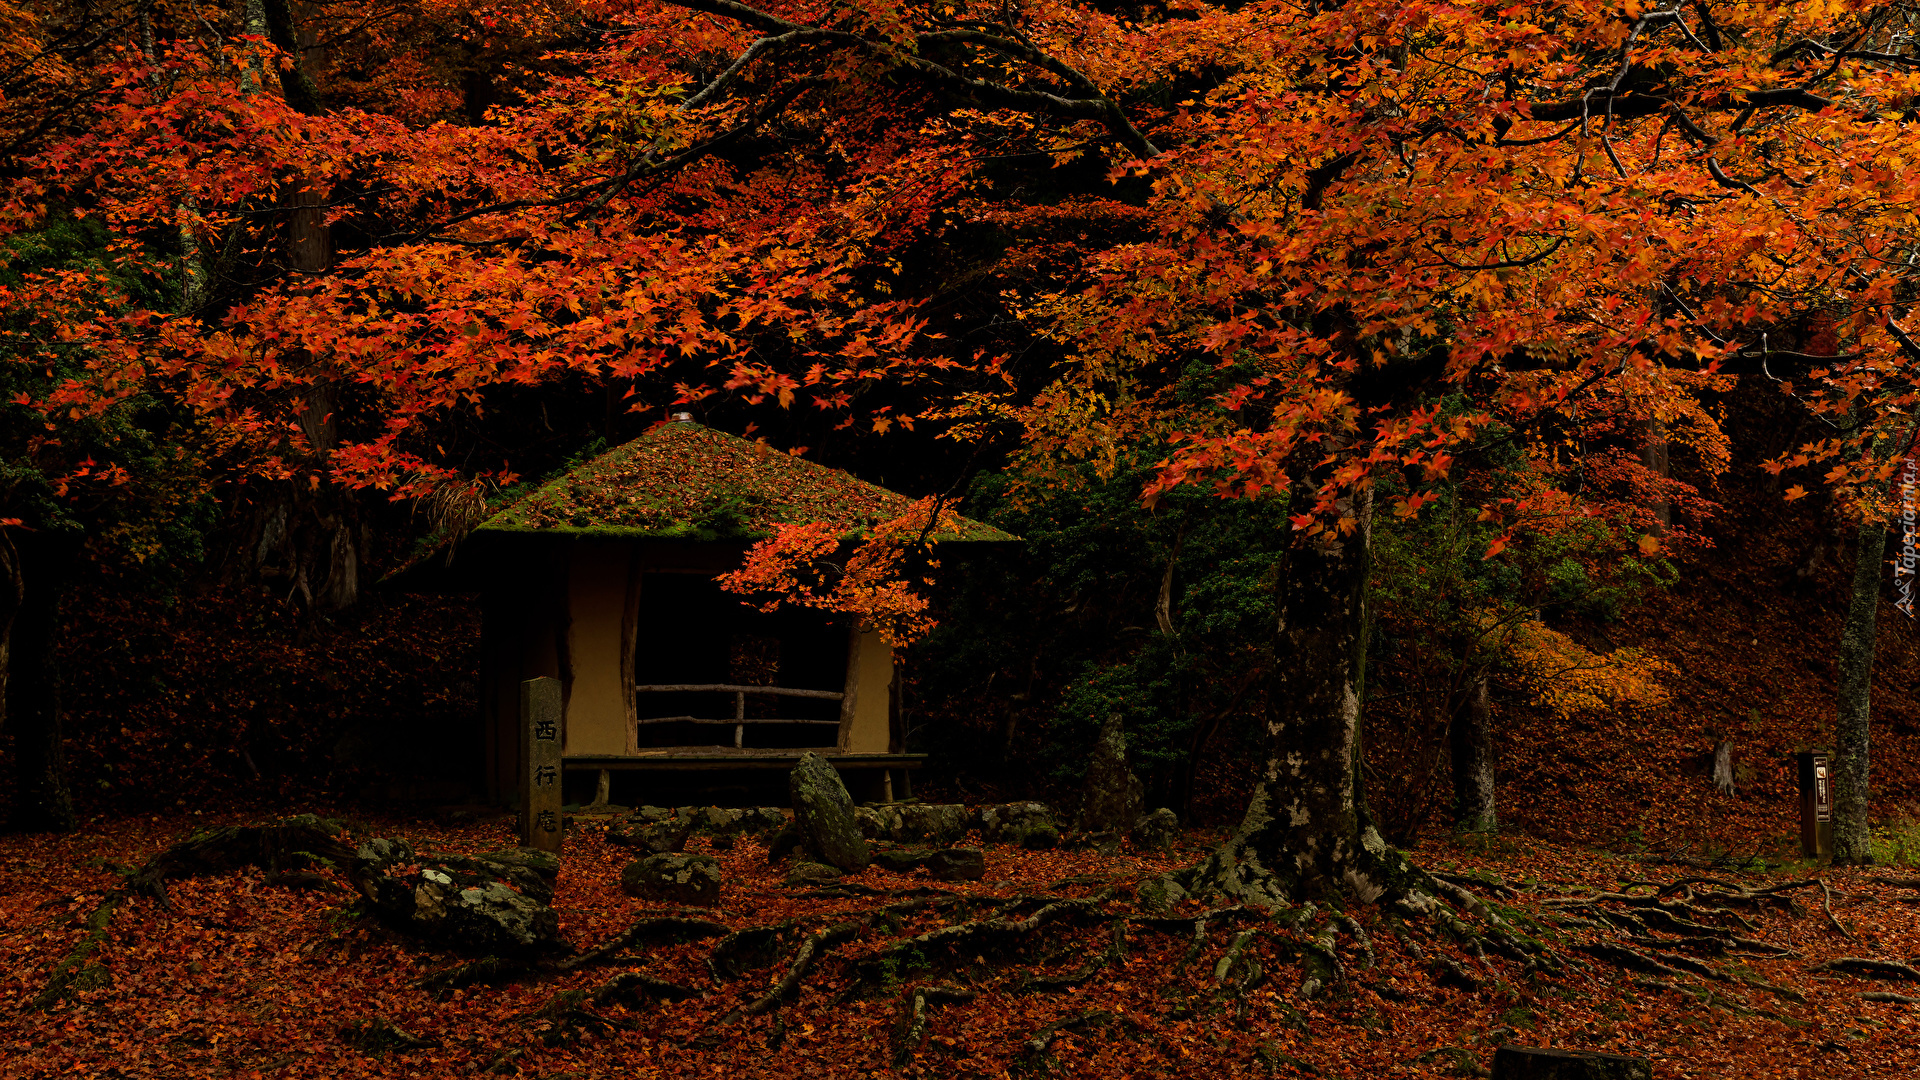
x: 540, y: 820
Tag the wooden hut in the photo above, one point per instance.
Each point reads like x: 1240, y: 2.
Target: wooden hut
x: 603, y: 579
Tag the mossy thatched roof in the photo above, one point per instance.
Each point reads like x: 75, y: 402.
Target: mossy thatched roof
x: 684, y: 481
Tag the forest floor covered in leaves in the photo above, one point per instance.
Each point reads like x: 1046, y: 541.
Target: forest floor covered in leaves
x: 1710, y: 972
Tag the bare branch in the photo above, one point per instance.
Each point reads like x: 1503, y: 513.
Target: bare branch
x: 1506, y: 264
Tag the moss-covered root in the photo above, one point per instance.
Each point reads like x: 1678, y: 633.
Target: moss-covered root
x: 378, y: 1035
x: 78, y: 971
x: 291, y: 843
x: 915, y: 1016
x: 809, y: 953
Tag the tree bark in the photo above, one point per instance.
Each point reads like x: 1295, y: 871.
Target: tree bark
x: 1851, y: 737
x: 42, y: 801
x: 1723, y: 767
x: 1307, y: 833
x: 1654, y: 456
x: 11, y: 594
x: 1471, y: 736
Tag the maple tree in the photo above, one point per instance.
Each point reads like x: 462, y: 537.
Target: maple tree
x: 1355, y: 209
x: 1396, y: 237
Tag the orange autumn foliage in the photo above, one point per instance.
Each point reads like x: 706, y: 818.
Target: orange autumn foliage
x: 813, y: 566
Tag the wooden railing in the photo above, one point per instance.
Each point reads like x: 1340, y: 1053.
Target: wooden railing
x: 739, y: 693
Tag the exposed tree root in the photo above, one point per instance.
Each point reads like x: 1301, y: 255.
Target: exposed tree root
x: 378, y: 1035
x: 809, y: 953
x: 1897, y: 882
x: 1199, y: 925
x: 1034, y: 1052
x: 1786, y: 993
x: 1448, y: 972
x: 1323, y: 967
x: 503, y: 1062
x: 1826, y: 905
x: 1882, y: 995
x: 642, y: 986
x: 492, y: 969
x: 568, y: 1017
x: 1872, y: 969
x: 1475, y: 881
x: 77, y: 971
x: 1224, y: 965
x: 669, y: 928
x: 913, y: 1026
x: 1360, y: 939
x: 573, y: 1013
x: 293, y: 843
x: 1116, y: 949
x: 749, y: 950
x: 977, y: 933
x: 1627, y: 958
x: 300, y: 879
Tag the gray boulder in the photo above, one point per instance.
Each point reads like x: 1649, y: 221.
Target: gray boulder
x: 1024, y: 824
x: 655, y: 838
x: 493, y: 903
x: 1111, y: 796
x: 784, y: 844
x: 906, y: 823
x: 1157, y: 831
x: 658, y: 829
x: 823, y: 815
x: 1039, y: 838
x: 379, y: 853
x: 957, y: 864
x: 1157, y: 896
x: 901, y: 860
x: 673, y: 879
x: 812, y: 873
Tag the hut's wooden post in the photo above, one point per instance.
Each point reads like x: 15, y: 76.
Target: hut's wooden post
x: 850, y: 696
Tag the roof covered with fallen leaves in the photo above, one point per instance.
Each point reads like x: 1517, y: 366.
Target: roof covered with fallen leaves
x: 685, y: 481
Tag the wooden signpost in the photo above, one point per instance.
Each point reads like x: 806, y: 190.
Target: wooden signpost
x: 540, y: 820
x: 1816, y: 805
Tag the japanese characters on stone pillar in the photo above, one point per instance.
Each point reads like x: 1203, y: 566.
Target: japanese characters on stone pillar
x: 540, y: 820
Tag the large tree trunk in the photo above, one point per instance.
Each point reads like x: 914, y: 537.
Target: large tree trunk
x: 1307, y: 832
x: 41, y: 799
x: 1850, y: 759
x: 1471, y: 736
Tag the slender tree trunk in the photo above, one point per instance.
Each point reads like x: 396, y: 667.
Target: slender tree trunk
x: 1654, y: 456
x: 11, y: 594
x: 42, y: 801
x: 1471, y: 736
x: 1850, y: 758
x: 1307, y: 832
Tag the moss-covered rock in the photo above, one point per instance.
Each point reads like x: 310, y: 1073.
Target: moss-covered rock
x: 1111, y: 795
x: 901, y: 860
x: 823, y: 815
x: 1009, y: 822
x: 1157, y: 831
x: 957, y: 864
x: 1157, y: 896
x: 808, y: 872
x: 673, y: 879
x: 478, y: 903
